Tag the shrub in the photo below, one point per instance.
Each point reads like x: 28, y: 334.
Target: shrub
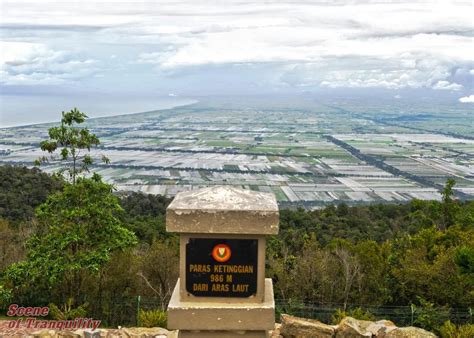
x: 449, y: 330
x: 5, y: 297
x: 361, y: 314
x: 67, y: 311
x: 357, y: 313
x: 153, y: 318
x: 428, y: 317
x: 466, y: 330
x: 337, y: 316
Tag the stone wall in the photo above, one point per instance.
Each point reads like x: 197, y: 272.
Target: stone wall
x: 24, y: 332
x: 294, y: 327
x: 290, y: 327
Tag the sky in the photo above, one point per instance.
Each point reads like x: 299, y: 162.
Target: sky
x: 149, y: 50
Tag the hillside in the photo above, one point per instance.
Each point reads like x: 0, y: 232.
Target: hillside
x: 22, y: 190
x: 362, y: 258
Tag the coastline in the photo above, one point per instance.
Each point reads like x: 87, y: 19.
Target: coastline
x: 161, y: 106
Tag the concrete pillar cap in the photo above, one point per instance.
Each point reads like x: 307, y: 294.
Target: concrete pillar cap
x: 223, y: 210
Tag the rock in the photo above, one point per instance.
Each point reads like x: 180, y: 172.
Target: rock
x: 113, y: 335
x: 145, y: 332
x: 276, y: 333
x: 353, y: 328
x: 173, y: 334
x: 381, y: 327
x: 86, y: 333
x: 154, y: 332
x: 44, y: 334
x: 295, y: 327
x: 69, y: 334
x: 409, y: 332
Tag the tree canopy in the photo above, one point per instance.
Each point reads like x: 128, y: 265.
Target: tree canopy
x: 72, y: 143
x: 99, y: 247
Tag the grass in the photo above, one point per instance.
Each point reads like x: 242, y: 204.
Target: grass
x: 231, y: 167
x: 220, y: 143
x: 174, y: 172
x: 280, y: 195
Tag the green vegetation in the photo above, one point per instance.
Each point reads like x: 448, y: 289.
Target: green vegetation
x: 22, y: 190
x: 67, y: 311
x: 386, y: 254
x: 153, y: 318
x: 78, y: 229
x: 417, y: 254
x: 71, y: 141
x: 145, y: 215
x: 375, y: 256
x: 376, y: 222
x: 449, y: 330
x: 5, y: 297
x: 280, y: 195
x: 357, y: 313
x: 220, y: 143
x: 74, y: 234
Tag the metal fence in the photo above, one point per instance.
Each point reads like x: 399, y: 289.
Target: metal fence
x: 125, y: 311
x: 400, y: 315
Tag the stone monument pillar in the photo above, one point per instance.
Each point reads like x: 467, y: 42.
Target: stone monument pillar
x: 222, y: 291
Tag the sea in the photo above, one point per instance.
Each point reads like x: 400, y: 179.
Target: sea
x: 18, y: 110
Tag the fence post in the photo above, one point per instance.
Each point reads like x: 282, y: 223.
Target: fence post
x: 138, y: 310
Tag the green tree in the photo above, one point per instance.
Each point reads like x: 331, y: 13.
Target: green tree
x: 464, y: 259
x: 80, y: 229
x: 71, y: 142
x: 450, y: 208
x: 22, y: 190
x: 373, y: 286
x: 423, y: 266
x: 5, y: 297
x: 159, y: 270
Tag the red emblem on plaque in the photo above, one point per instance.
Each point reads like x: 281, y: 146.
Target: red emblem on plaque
x: 221, y: 253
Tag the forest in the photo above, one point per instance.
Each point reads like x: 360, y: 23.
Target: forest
x: 70, y: 241
x: 415, y: 254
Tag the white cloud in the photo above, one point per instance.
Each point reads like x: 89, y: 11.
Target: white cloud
x: 467, y: 99
x: 402, y: 44
x: 446, y: 85
x: 409, y: 71
x: 359, y: 45
x: 25, y: 63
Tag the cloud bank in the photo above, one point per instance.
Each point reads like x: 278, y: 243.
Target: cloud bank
x: 193, y: 46
x: 25, y: 63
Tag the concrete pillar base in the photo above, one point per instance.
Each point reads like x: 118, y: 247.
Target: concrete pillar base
x: 239, y: 319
